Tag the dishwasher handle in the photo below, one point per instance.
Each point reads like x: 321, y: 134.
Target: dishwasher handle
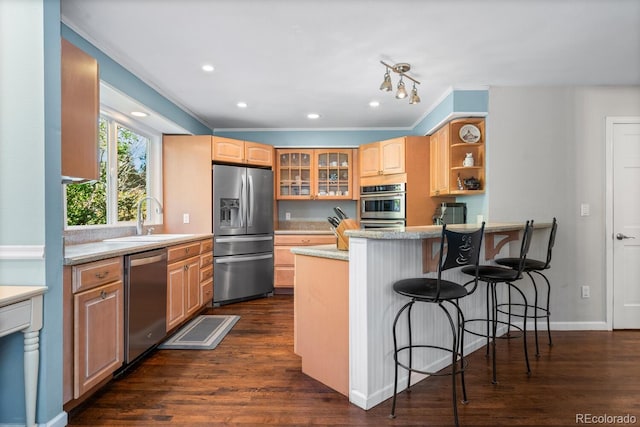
x: 148, y: 260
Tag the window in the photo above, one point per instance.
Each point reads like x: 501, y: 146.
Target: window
x: 128, y: 172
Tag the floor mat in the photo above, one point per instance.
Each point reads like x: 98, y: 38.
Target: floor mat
x: 203, y: 333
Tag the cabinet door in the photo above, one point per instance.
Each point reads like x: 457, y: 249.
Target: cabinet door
x: 369, y: 159
x: 294, y: 174
x: 80, y: 111
x: 440, y: 162
x: 175, y: 294
x: 332, y: 172
x: 186, y: 175
x: 258, y: 154
x: 227, y: 150
x: 392, y: 154
x: 98, y: 335
x: 192, y: 288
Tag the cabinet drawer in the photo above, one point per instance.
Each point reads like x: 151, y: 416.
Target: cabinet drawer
x: 176, y: 253
x: 304, y: 239
x: 283, y: 277
x: 282, y: 255
x: 206, y: 273
x: 206, y: 260
x: 206, y: 246
x: 206, y: 292
x: 92, y: 274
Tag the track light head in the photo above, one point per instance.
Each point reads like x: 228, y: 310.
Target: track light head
x: 386, y: 83
x: 402, y: 92
x: 414, y: 99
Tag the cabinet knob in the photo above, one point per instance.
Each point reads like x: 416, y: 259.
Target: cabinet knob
x: 103, y: 294
x: 186, y: 267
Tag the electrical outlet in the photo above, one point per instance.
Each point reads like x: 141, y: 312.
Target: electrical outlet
x: 287, y: 216
x: 185, y: 218
x: 586, y: 292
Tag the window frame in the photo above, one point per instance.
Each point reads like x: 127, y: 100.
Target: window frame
x: 114, y: 120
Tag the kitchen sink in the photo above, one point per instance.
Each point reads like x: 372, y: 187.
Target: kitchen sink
x: 148, y: 238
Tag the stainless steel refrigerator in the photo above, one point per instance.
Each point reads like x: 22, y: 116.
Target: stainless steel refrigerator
x: 243, y: 233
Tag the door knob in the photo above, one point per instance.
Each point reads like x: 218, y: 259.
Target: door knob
x: 621, y: 236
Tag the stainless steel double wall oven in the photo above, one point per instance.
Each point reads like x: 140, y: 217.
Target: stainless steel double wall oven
x: 383, y: 206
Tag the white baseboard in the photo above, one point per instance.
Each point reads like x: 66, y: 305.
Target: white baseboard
x: 59, y: 420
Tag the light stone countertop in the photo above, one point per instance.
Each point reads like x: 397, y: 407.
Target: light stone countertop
x: 431, y: 231
x: 95, y: 251
x: 322, y: 251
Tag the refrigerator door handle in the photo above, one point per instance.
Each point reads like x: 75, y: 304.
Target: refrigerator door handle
x: 251, y: 202
x: 243, y: 199
x: 231, y: 259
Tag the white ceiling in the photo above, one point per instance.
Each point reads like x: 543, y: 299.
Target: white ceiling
x: 287, y: 58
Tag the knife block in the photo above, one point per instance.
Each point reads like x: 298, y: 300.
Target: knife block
x: 343, y: 241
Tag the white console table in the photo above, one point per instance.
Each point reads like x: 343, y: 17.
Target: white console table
x: 21, y: 311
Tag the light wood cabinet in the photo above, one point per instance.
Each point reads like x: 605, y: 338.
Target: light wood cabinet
x: 283, y: 266
x: 80, y: 107
x: 206, y: 272
x: 411, y: 156
x: 98, y: 323
x: 382, y: 157
x: 315, y: 174
x: 183, y: 282
x: 187, y: 186
x: 243, y: 152
x: 439, y: 148
x: 448, y: 169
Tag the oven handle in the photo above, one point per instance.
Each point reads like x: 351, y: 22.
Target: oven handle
x: 381, y: 195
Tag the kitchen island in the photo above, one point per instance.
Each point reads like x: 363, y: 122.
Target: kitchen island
x: 376, y: 259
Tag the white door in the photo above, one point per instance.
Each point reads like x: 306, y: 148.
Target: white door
x: 625, y: 136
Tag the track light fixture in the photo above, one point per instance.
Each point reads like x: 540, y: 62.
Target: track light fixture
x: 400, y: 68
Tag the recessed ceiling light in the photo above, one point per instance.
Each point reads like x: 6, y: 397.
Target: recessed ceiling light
x: 208, y: 68
x: 313, y: 116
x: 139, y: 114
x: 374, y: 104
x: 242, y: 104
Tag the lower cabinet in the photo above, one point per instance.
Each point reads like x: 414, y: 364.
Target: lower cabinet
x: 283, y: 265
x: 98, y: 322
x: 189, y: 280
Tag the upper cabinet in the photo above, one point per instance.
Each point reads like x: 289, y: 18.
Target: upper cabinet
x: 313, y: 174
x: 458, y: 158
x: 244, y: 152
x: 382, y: 157
x: 80, y: 113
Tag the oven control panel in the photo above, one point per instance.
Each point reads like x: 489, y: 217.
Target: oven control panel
x: 389, y: 188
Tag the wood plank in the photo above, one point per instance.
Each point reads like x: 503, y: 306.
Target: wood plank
x: 254, y: 378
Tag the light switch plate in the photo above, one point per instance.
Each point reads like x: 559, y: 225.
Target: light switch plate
x: 585, y: 209
x: 185, y: 218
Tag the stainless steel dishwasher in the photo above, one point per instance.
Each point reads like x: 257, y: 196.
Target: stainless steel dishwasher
x: 145, y: 318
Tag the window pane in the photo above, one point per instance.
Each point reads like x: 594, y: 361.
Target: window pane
x: 87, y: 202
x: 132, y: 172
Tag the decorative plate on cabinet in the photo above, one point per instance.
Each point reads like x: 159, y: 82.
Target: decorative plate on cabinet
x: 469, y: 133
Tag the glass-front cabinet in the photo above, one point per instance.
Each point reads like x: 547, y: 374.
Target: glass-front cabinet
x: 314, y: 174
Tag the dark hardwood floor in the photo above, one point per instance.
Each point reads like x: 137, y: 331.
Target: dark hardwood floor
x: 253, y: 378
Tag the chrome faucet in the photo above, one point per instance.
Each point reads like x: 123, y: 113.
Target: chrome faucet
x: 140, y: 221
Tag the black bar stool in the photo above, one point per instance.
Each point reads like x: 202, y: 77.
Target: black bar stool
x: 492, y: 275
x: 535, y: 266
x: 462, y: 249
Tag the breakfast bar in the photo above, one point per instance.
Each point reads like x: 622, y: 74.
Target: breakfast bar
x: 352, y: 352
